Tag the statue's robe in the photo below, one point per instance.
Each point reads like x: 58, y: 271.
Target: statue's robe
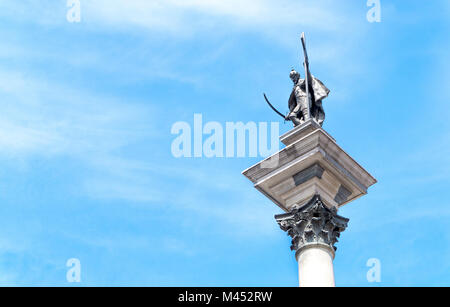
x: 318, y: 92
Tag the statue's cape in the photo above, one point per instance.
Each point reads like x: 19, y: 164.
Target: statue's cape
x: 320, y: 92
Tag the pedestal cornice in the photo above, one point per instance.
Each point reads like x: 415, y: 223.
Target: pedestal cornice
x: 312, y: 163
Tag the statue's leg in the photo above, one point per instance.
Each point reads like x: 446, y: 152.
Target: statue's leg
x: 304, y: 109
x: 306, y: 115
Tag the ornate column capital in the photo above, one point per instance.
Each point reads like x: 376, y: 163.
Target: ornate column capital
x: 312, y: 224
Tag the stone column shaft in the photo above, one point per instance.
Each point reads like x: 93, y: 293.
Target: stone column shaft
x: 314, y: 229
x: 315, y: 266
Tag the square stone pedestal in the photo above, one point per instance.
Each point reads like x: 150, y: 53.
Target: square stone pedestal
x: 312, y: 163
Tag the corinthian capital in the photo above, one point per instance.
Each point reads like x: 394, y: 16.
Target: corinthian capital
x: 312, y: 223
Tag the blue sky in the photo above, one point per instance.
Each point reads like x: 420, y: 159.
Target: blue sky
x: 86, y: 169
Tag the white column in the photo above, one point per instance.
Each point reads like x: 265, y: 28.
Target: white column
x: 315, y: 266
x: 314, y: 229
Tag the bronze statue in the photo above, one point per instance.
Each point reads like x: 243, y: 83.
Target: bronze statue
x: 306, y: 98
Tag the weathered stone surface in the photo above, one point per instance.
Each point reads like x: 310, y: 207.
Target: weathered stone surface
x: 313, y: 171
x: 300, y: 131
x: 342, y: 195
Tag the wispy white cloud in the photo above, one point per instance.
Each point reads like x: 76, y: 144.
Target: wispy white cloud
x: 337, y: 28
x: 185, y: 17
x: 184, y: 189
x: 44, y: 117
x: 188, y: 15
